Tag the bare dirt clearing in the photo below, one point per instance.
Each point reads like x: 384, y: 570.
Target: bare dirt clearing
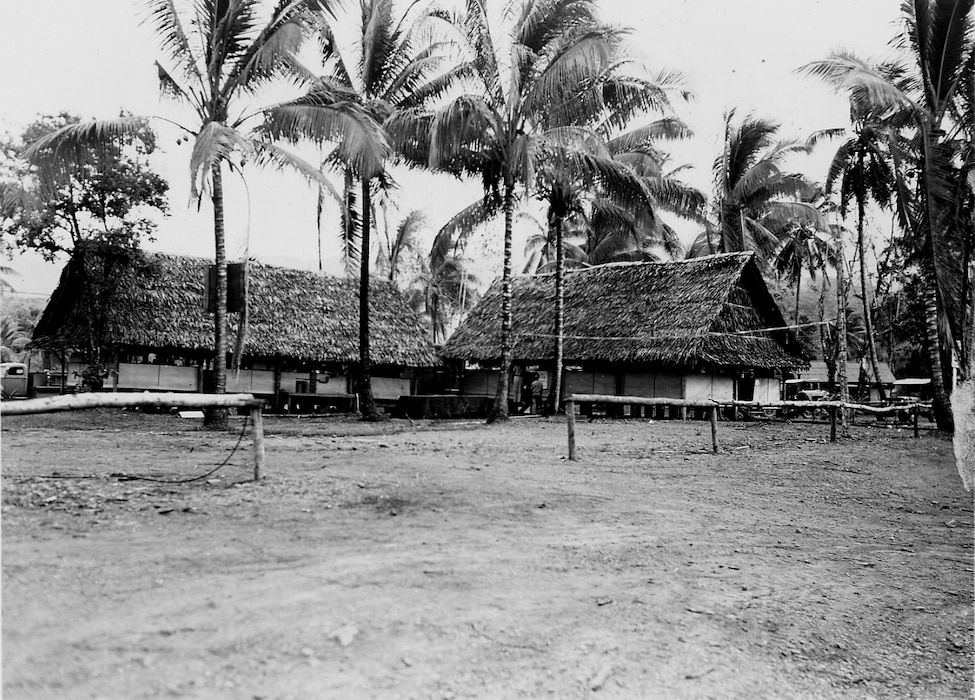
x: 458, y: 560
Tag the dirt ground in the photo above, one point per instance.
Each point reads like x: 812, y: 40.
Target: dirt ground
x: 456, y: 560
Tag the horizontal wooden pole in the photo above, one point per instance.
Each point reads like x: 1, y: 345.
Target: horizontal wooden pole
x: 644, y: 401
x: 101, y: 399
x: 820, y: 404
x: 637, y: 400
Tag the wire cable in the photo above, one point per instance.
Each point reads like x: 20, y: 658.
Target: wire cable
x: 240, y: 438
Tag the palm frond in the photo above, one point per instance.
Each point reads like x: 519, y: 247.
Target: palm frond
x: 466, y: 125
x: 214, y: 144
x: 869, y: 89
x: 670, y: 128
x: 170, y: 88
x: 454, y: 234
x: 818, y: 137
x: 272, y: 155
x: 327, y: 116
x: 84, y: 142
x: 271, y: 53
x: 164, y: 17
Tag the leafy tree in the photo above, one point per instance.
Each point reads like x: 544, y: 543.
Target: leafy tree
x: 13, y: 339
x: 108, y: 198
x: 221, y: 53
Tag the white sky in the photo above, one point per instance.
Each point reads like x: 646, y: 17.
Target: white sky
x: 94, y: 58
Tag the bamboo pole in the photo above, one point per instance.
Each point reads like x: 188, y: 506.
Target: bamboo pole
x: 102, y: 399
x: 570, y: 421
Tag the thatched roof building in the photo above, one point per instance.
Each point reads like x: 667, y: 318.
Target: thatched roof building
x: 159, y: 304
x: 707, y: 313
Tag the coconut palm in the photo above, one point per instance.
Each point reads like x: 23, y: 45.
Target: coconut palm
x: 863, y: 170
x: 803, y: 249
x: 401, y: 241
x: 540, y: 76
x: 754, y: 201
x: 619, y: 180
x: 219, y: 55
x: 377, y: 63
x: 441, y: 291
x: 922, y: 95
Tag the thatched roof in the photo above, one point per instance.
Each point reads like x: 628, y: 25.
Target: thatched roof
x: 291, y: 313
x: 690, y: 313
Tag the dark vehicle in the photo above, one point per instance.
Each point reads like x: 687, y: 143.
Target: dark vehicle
x: 13, y: 380
x: 913, y: 390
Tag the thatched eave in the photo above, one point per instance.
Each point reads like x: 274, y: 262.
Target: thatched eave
x: 713, y: 311
x: 291, y: 314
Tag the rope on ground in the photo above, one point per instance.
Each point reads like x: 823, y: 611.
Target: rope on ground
x: 240, y: 438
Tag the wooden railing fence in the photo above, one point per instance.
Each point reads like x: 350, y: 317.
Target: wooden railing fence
x: 78, y: 402
x: 833, y: 407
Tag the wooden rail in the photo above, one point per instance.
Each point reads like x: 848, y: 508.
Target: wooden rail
x: 833, y: 407
x: 156, y: 399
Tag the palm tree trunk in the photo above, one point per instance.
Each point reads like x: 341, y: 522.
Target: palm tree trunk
x: 867, y: 311
x: 826, y: 343
x: 795, y: 316
x: 217, y: 417
x: 932, y: 301
x: 500, y: 410
x: 367, y: 403
x: 559, y: 315
x: 942, y: 407
x: 841, y: 323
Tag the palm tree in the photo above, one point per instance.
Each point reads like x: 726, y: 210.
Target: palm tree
x: 754, y: 201
x: 803, y: 248
x: 443, y: 289
x: 864, y: 170
x: 542, y: 76
x: 392, y: 64
x: 220, y: 54
x: 921, y: 96
x: 620, y: 180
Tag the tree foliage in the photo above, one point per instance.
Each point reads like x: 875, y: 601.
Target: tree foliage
x: 925, y: 100
x: 754, y: 200
x: 109, y: 198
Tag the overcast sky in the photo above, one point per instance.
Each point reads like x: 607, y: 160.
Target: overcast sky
x: 94, y: 58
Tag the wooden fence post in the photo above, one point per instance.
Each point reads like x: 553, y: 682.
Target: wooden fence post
x: 257, y: 427
x: 714, y: 428
x: 916, y: 411
x: 832, y: 423
x: 570, y: 421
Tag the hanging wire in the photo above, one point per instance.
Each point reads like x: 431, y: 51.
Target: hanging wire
x: 749, y: 333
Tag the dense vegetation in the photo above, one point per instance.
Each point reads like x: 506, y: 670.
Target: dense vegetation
x: 541, y: 102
